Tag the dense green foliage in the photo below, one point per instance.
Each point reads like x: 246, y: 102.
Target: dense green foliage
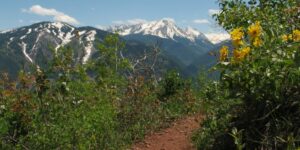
x: 92, y: 106
x: 256, y: 103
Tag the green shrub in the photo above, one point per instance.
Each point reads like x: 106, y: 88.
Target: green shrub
x: 66, y: 105
x: 57, y: 108
x: 262, y: 73
x: 177, y: 95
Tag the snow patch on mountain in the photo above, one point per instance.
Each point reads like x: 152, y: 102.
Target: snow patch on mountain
x: 5, y: 31
x: 47, y: 30
x: 23, y: 37
x: 29, y: 31
x: 10, y: 40
x: 193, y: 33
x: 54, y: 33
x: 64, y: 37
x: 82, y: 32
x: 24, y: 45
x: 88, y: 48
x: 36, y: 41
x: 58, y: 25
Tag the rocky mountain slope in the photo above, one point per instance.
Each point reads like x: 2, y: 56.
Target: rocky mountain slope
x: 184, y: 45
x: 182, y: 49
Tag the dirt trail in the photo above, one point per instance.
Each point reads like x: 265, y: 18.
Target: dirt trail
x: 176, y: 137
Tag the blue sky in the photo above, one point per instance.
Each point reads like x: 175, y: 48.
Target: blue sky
x: 194, y: 13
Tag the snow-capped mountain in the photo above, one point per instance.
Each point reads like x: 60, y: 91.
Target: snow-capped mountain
x: 184, y: 45
x: 35, y: 38
x: 30, y: 45
x: 165, y: 28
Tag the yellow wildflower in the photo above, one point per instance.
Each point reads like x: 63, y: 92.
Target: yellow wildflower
x: 257, y: 42
x: 239, y: 55
x: 238, y: 43
x: 255, y: 30
x: 285, y: 38
x: 237, y: 34
x: 7, y: 93
x: 290, y: 36
x: 296, y: 35
x: 223, y: 53
x: 245, y: 51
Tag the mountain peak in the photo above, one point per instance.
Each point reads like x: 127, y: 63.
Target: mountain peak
x: 44, y: 25
x: 167, y: 21
x: 31, y: 38
x: 191, y: 30
x: 194, y: 33
x: 52, y: 25
x: 164, y: 28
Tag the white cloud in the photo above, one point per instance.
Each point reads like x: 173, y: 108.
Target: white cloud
x: 130, y: 21
x: 57, y: 15
x: 217, y: 37
x: 201, y: 21
x: 21, y: 20
x: 213, y: 11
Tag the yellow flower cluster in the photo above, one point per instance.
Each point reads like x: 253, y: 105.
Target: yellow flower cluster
x: 241, y: 50
x: 285, y: 38
x: 257, y: 42
x: 223, y: 53
x: 237, y: 36
x: 239, y: 55
x: 255, y: 31
x: 295, y: 36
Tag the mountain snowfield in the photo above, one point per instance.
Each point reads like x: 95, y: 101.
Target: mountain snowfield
x: 60, y: 33
x: 4, y: 31
x: 166, y: 28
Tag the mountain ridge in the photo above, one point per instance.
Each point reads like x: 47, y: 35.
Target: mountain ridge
x: 164, y: 28
x: 29, y: 45
x: 22, y: 47
x: 184, y: 44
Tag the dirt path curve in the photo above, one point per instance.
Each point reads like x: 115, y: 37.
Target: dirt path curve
x: 176, y: 137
